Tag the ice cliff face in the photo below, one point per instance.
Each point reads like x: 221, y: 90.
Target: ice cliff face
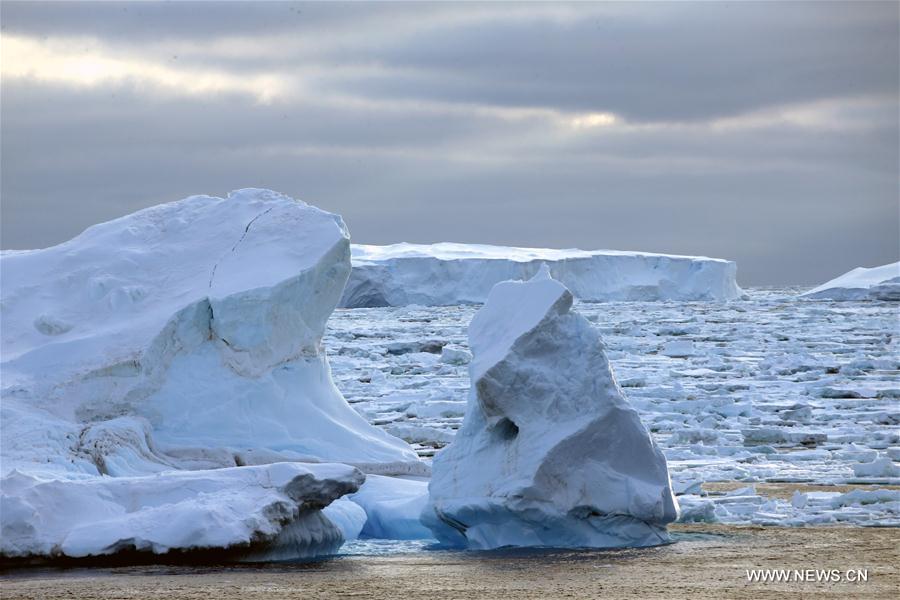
x: 186, y: 336
x: 877, y: 283
x: 447, y: 274
x: 550, y: 453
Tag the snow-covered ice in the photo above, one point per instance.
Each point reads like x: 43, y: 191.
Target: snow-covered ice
x: 877, y: 283
x: 267, y: 512
x: 448, y: 274
x: 183, y: 337
x: 550, y: 453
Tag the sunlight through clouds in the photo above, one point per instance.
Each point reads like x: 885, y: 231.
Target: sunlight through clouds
x: 592, y: 120
x: 84, y: 62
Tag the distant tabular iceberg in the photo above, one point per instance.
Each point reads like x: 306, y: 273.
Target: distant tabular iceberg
x: 877, y: 283
x: 447, y: 274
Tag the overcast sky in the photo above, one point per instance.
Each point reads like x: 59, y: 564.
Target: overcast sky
x: 766, y: 133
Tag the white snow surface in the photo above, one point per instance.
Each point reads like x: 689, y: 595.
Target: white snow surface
x: 450, y: 273
x: 550, y: 453
x: 266, y: 512
x: 876, y: 283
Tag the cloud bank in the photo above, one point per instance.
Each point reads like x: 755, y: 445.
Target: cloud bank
x: 761, y: 132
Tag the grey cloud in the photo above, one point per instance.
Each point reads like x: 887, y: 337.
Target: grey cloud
x: 701, y: 61
x: 792, y: 202
x: 688, y: 61
x: 150, y: 21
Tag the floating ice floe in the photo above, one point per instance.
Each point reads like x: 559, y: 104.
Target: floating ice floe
x: 678, y: 349
x: 550, y: 452
x: 447, y: 274
x: 864, y: 507
x: 876, y: 283
x: 882, y: 467
x: 186, y: 336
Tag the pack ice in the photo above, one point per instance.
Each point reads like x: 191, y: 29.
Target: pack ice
x: 449, y: 274
x: 550, y: 453
x: 186, y: 336
x: 876, y: 283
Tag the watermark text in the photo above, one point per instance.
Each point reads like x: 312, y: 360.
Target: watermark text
x: 807, y: 575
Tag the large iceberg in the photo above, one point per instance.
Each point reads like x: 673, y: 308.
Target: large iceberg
x: 550, y: 453
x: 187, y: 336
x: 876, y: 283
x: 202, y: 321
x: 448, y: 274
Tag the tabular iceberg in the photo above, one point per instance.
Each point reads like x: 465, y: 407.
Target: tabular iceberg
x: 550, y: 453
x: 447, y: 274
x: 186, y: 336
x: 877, y: 283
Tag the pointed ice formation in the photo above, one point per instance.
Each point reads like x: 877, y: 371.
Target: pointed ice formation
x: 550, y: 453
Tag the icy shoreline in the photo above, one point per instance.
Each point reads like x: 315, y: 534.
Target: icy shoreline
x: 707, y: 562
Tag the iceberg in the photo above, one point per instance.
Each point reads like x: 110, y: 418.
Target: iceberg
x: 550, y: 453
x: 191, y: 333
x: 180, y: 347
x: 449, y: 274
x: 876, y: 283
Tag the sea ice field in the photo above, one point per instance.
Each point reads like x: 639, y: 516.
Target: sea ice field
x: 162, y: 395
x: 767, y: 389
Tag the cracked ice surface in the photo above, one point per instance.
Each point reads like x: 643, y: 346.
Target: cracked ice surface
x: 770, y: 389
x: 151, y: 372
